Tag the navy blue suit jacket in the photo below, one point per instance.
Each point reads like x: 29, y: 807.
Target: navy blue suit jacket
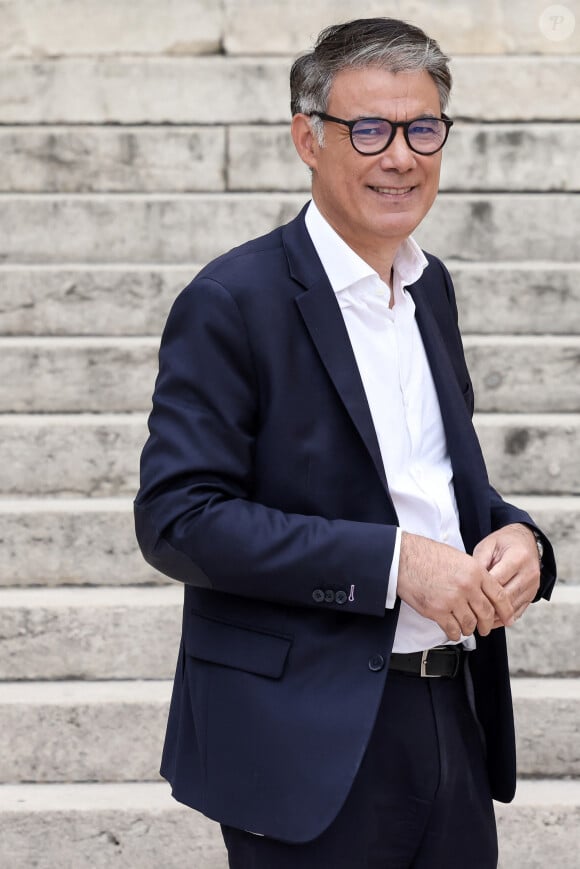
x: 261, y: 487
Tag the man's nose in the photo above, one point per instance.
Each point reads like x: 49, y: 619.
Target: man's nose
x: 398, y: 155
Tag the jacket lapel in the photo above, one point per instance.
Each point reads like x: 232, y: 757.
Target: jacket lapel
x: 323, y: 318
x: 469, y: 472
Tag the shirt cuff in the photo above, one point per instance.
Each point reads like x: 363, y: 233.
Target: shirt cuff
x: 394, y: 572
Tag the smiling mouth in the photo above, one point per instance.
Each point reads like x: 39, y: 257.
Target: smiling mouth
x: 393, y: 191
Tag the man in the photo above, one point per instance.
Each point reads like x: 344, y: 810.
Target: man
x: 313, y: 477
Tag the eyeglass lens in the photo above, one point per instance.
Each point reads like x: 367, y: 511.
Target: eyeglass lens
x: 425, y: 135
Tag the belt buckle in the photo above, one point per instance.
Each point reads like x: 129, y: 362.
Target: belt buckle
x: 423, y: 671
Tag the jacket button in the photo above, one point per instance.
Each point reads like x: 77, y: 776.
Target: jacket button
x: 329, y: 595
x: 340, y: 597
x: 318, y: 595
x: 376, y: 663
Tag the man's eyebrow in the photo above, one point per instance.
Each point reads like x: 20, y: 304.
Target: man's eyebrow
x: 381, y: 118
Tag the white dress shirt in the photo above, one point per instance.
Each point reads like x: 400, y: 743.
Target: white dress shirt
x: 403, y: 403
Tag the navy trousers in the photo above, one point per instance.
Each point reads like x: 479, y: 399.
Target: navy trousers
x: 421, y: 799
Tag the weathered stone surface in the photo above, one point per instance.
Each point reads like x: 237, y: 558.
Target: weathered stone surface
x: 107, y: 300
x: 97, y: 455
x: 516, y: 89
x: 152, y: 90
x: 44, y: 28
x: 547, y: 712
x: 82, y: 731
x: 74, y: 633
x: 540, y: 828
x: 113, y: 633
x: 546, y: 640
x: 129, y: 825
x: 63, y: 375
x: 94, y: 456
x: 477, y: 157
x: 196, y: 227
x: 101, y: 159
x: 461, y: 26
x: 88, y: 300
x: 525, y: 374
x: 96, y: 826
x: 132, y: 229
x: 85, y: 731
x: 517, y: 298
x: 498, y: 227
x: 71, y: 542
x: 218, y: 90
x: 532, y: 454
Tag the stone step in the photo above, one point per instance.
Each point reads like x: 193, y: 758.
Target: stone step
x: 234, y: 90
x: 547, y: 712
x: 56, y: 542
x: 97, y: 455
x: 81, y: 375
x: 134, y: 299
x: 90, y: 633
x: 102, y: 159
x: 58, y: 28
x: 52, y: 542
x: 65, y: 229
x: 484, y: 157
x: 85, y: 731
x: 525, y: 374
x: 86, y: 826
x: 496, y: 27
x: 135, y: 824
x: 88, y: 159
x: 540, y: 828
x: 531, y: 454
x: 546, y: 641
x: 82, y: 731
x: 133, y: 633
x: 266, y: 27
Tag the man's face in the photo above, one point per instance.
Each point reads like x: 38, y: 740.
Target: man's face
x: 375, y: 201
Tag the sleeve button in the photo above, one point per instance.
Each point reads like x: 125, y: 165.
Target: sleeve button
x: 340, y: 597
x: 317, y: 595
x: 329, y: 595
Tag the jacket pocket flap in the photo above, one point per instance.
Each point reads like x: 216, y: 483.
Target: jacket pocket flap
x: 236, y: 646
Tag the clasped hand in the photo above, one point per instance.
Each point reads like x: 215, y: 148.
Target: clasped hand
x: 491, y: 588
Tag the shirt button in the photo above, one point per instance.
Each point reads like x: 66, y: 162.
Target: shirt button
x: 340, y: 597
x: 376, y: 663
x: 329, y: 596
x: 317, y: 595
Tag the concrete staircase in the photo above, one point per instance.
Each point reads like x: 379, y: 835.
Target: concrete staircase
x: 137, y: 141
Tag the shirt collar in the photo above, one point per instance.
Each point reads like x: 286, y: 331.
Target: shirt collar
x: 344, y: 267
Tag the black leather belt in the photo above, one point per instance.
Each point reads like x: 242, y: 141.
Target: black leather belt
x: 445, y: 661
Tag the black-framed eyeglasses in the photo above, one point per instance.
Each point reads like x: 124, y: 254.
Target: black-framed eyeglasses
x: 369, y: 136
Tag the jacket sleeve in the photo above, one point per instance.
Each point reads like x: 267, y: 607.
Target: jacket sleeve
x: 195, y: 517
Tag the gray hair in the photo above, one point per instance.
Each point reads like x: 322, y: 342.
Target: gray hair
x: 381, y: 42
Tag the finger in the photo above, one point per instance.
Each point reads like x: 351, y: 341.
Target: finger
x: 467, y: 620
x: 500, y: 600
x: 505, y: 569
x: 486, y: 553
x: 451, y: 627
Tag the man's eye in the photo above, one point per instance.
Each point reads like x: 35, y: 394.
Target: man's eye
x: 424, y: 128
x: 370, y: 129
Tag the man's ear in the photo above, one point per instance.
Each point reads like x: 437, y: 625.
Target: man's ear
x: 304, y: 140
